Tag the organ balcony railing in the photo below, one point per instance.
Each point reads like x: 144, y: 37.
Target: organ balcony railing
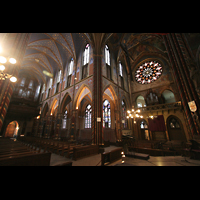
x: 161, y: 107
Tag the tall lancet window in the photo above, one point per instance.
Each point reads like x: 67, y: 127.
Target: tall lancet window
x: 70, y: 71
x: 88, y: 114
x: 86, y: 54
x: 37, y: 91
x: 30, y: 86
x: 71, y: 65
x: 23, y: 82
x: 106, y: 114
x: 120, y: 69
x: 121, y: 74
x: 64, y: 121
x: 107, y: 55
x: 124, y: 119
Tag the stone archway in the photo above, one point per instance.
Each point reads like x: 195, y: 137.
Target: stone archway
x: 12, y: 129
x: 175, y: 128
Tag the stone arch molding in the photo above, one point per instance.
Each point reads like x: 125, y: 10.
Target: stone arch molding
x: 109, y: 90
x: 83, y: 91
x: 64, y: 99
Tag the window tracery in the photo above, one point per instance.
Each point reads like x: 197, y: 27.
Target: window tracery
x: 88, y: 116
x: 106, y: 114
x: 64, y: 125
x: 107, y: 55
x: 174, y: 123
x: 148, y: 72
x: 86, y: 54
x: 124, y: 115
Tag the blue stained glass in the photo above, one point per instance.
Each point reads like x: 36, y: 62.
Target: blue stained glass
x: 106, y: 114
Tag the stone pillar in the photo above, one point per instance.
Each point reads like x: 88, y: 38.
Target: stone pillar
x: 58, y: 125
x: 37, y: 127
x: 48, y: 128
x: 187, y: 62
x: 73, y: 125
x: 41, y: 125
x: 14, y: 44
x: 174, y: 54
x: 118, y: 125
x: 97, y: 101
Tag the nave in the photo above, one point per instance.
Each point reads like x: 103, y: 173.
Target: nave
x: 29, y: 152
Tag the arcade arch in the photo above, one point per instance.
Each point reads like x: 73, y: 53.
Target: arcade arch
x: 12, y: 129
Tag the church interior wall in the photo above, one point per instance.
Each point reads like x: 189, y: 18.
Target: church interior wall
x: 142, y: 48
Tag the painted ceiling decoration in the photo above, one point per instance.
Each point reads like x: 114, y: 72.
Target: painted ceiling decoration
x: 51, y: 52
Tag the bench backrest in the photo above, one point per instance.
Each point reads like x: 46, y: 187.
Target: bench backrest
x: 40, y: 159
x: 79, y: 152
x: 111, y: 156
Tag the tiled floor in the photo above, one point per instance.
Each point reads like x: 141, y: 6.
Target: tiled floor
x: 95, y: 160
x: 159, y: 161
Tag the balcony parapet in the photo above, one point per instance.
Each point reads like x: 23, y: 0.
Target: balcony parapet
x: 162, y: 107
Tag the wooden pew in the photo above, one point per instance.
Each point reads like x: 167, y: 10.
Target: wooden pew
x: 111, y: 156
x: 69, y: 163
x: 85, y: 151
x: 37, y: 159
x: 14, y: 153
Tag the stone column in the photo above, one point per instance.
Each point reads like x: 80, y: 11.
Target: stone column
x: 176, y: 65
x: 58, y: 125
x: 187, y: 63
x: 118, y: 124
x: 48, y: 126
x: 97, y: 101
x: 73, y: 125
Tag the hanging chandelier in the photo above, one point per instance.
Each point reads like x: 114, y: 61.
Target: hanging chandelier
x: 3, y: 61
x: 134, y: 114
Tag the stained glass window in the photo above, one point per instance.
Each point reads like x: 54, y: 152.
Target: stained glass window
x: 71, y: 65
x: 107, y: 55
x: 37, y: 91
x: 30, y: 86
x: 143, y: 125
x: 58, y: 76
x: 148, y: 72
x: 120, y: 69
x: 22, y: 82
x: 20, y: 92
x: 174, y: 123
x: 106, y: 114
x: 124, y: 123
x: 64, y: 125
x: 86, y: 54
x: 88, y: 114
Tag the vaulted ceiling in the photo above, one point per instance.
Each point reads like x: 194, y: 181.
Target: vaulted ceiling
x: 52, y: 51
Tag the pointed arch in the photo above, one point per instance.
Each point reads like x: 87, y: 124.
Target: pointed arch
x: 126, y: 100
x: 109, y: 91
x: 83, y: 91
x: 66, y: 99
x: 54, y: 105
x: 45, y: 110
x: 140, y: 101
x: 12, y: 129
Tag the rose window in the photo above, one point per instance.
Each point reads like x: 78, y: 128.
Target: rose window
x: 148, y: 72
